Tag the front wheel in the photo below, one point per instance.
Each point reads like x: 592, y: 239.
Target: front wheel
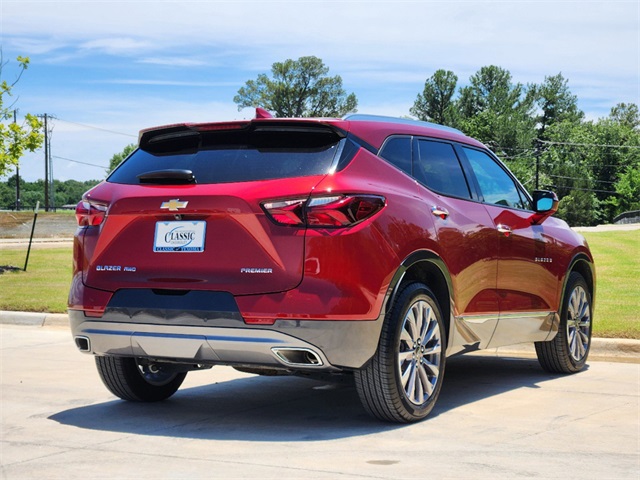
x: 402, y: 381
x: 130, y: 380
x: 568, y: 351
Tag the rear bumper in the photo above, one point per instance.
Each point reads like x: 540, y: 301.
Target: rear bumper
x: 225, y: 339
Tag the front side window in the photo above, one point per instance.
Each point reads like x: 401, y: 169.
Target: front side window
x: 496, y: 186
x: 440, y: 170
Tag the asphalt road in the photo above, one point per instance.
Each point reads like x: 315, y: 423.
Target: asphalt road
x: 496, y: 418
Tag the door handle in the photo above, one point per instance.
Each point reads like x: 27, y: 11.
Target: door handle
x: 441, y: 212
x: 504, y: 229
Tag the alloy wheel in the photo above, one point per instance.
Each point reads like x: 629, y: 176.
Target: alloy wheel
x: 420, y: 353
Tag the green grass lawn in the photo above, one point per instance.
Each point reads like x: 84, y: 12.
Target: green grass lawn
x: 45, y: 284
x: 43, y: 287
x: 617, y: 257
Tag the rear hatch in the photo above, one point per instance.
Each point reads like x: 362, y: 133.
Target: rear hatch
x: 185, y: 211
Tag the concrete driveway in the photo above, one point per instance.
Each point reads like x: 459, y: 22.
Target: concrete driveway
x: 496, y: 418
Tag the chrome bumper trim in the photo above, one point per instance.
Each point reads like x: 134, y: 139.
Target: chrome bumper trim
x: 212, y: 345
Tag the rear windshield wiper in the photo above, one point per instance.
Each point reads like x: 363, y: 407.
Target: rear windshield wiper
x: 168, y: 177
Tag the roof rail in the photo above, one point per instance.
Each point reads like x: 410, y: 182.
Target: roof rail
x: 406, y: 121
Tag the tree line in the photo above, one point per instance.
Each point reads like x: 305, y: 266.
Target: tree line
x: 67, y: 193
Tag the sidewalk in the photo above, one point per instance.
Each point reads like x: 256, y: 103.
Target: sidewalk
x: 604, y: 349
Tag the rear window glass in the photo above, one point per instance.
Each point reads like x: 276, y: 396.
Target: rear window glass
x: 225, y: 159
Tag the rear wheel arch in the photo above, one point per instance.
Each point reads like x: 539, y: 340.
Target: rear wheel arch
x: 426, y: 267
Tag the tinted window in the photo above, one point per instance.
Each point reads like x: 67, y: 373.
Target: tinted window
x: 496, y: 185
x: 440, y: 170
x: 260, y: 159
x: 398, y: 152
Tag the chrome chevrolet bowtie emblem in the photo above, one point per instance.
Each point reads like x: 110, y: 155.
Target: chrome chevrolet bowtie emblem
x: 174, y: 205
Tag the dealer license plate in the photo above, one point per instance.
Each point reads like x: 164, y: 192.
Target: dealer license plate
x: 179, y: 236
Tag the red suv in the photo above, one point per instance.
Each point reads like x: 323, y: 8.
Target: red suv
x: 366, y: 246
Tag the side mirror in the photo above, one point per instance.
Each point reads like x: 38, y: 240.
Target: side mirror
x: 545, y: 204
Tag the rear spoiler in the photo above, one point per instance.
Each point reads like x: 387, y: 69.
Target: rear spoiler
x: 189, y: 136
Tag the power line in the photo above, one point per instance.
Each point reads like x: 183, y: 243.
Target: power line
x: 584, y: 189
x: 78, y: 161
x: 580, y: 178
x: 547, y: 142
x: 98, y: 128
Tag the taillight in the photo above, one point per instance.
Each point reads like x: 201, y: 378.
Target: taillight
x: 322, y: 212
x: 286, y: 212
x: 90, y: 214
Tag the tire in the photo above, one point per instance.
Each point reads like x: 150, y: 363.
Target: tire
x: 127, y: 379
x: 402, y: 381
x: 568, y: 351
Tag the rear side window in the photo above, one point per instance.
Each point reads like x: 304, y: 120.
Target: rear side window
x: 238, y: 157
x: 397, y: 151
x: 440, y: 170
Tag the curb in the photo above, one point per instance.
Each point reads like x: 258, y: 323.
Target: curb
x: 34, y: 319
x: 604, y: 349
x: 609, y: 349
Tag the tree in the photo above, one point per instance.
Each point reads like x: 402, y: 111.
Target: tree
x: 628, y: 191
x: 70, y: 192
x: 7, y: 196
x: 497, y: 111
x: 435, y: 103
x: 491, y: 88
x: 556, y: 104
x: 15, y: 138
x: 298, y: 88
x: 626, y: 114
x: 579, y: 208
x: 119, y: 157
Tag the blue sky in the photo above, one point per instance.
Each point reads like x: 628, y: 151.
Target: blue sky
x: 108, y: 69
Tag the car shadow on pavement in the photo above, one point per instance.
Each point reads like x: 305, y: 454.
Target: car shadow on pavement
x: 289, y: 409
x: 470, y: 378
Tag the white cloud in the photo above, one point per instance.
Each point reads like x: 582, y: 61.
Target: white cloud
x: 173, y: 61
x: 117, y: 45
x: 169, y: 83
x: 35, y: 46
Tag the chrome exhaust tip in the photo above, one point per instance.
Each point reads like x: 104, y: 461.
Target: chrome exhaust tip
x: 83, y: 343
x: 298, y: 357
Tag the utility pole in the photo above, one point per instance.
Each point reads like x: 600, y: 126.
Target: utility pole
x: 538, y: 151
x: 46, y: 164
x: 52, y: 191
x: 49, y: 198
x: 15, y: 113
